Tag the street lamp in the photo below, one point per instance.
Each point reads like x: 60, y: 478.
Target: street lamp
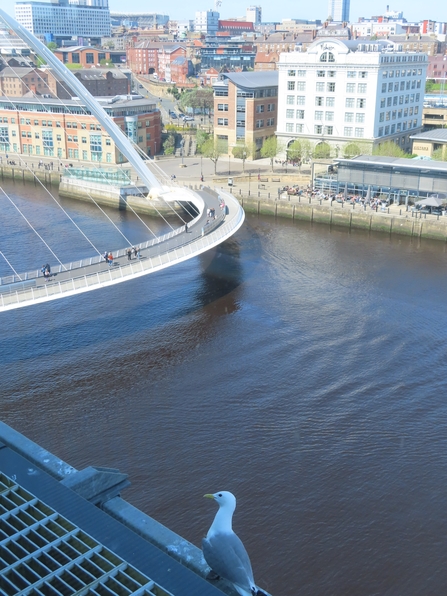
x: 229, y: 172
x: 201, y: 169
x: 244, y: 155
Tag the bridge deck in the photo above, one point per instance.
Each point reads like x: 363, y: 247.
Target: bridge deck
x: 94, y: 273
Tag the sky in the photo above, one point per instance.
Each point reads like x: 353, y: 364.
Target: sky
x: 414, y: 10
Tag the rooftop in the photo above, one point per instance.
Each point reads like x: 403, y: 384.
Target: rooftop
x: 397, y: 163
x: 439, y: 135
x: 253, y: 80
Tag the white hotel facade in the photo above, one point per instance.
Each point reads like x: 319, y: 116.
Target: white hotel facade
x: 340, y: 93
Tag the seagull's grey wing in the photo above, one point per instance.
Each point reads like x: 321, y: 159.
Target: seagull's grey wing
x: 226, y: 555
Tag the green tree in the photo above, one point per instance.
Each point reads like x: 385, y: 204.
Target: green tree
x: 295, y: 151
x: 429, y: 85
x: 213, y: 149
x: 169, y: 143
x: 52, y: 46
x: 389, y: 149
x: 440, y: 154
x: 107, y: 62
x: 270, y: 148
x: 322, y: 151
x: 197, y: 99
x: 244, y: 150
x: 201, y: 138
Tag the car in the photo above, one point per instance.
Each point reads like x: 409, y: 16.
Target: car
x: 173, y: 115
x: 188, y: 119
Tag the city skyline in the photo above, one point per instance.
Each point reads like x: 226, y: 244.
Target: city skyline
x: 413, y: 11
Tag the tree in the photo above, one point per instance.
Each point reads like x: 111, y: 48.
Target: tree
x: 322, y: 151
x: 197, y: 99
x: 107, y: 62
x: 169, y: 143
x: 429, y: 85
x: 244, y: 150
x: 213, y: 149
x: 52, y: 46
x: 389, y: 149
x: 295, y: 151
x: 270, y: 148
x: 440, y: 154
x: 201, y: 138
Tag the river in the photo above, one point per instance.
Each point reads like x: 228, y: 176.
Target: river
x: 299, y: 366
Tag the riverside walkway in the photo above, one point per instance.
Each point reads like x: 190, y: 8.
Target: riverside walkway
x: 202, y: 233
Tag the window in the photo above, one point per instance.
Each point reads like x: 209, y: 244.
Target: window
x: 290, y: 100
x: 331, y: 74
x: 84, y: 139
x: 319, y: 101
x: 300, y: 73
x: 301, y: 86
x: 299, y: 128
x: 95, y: 143
x: 361, y: 103
x: 300, y: 100
x: 300, y: 114
x: 319, y: 115
x: 349, y: 102
x: 402, y: 85
x: 347, y: 131
x: 260, y: 124
x: 319, y: 87
x: 393, y: 115
x: 361, y: 88
x: 327, y: 57
x: 383, y: 87
x: 222, y: 121
x: 363, y: 74
x: 321, y: 73
x: 395, y: 98
x: 381, y: 116
x: 271, y: 107
x: 329, y: 116
x: 318, y: 129
x: 381, y: 131
x: 388, y: 101
x: 349, y: 116
x: 360, y: 117
x: 352, y: 74
x: 260, y: 109
x: 290, y: 113
x: 291, y: 73
x: 331, y: 87
x: 385, y: 74
x: 291, y: 85
x: 350, y: 87
x: 289, y: 127
x: 221, y: 107
x: 359, y: 132
x: 330, y: 102
x: 270, y: 121
x: 328, y: 130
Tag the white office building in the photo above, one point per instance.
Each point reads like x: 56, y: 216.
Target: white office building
x: 207, y: 21
x: 348, y: 96
x: 339, y: 10
x: 254, y: 15
x: 80, y: 18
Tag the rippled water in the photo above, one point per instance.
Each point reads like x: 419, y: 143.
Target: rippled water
x: 299, y: 366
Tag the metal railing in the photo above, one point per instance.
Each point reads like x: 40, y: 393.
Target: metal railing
x: 226, y: 224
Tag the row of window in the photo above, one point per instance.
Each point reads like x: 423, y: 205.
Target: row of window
x: 399, y: 127
x: 261, y: 108
x: 48, y: 151
x: 269, y: 122
x: 410, y: 58
x: 402, y: 86
x: 401, y: 73
x: 397, y: 114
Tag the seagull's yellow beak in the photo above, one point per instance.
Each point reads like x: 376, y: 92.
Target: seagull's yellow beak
x: 209, y: 496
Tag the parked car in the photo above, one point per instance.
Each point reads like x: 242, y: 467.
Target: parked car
x: 173, y: 115
x: 188, y: 118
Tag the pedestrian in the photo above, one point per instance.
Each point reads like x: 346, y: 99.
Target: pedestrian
x: 138, y: 253
x: 129, y: 254
x: 110, y: 259
x: 135, y: 251
x: 186, y: 228
x: 105, y: 256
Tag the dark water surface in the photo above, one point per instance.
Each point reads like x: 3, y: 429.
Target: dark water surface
x: 299, y: 366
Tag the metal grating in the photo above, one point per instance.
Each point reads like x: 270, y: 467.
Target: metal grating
x: 43, y: 554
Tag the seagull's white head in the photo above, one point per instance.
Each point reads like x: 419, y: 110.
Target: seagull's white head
x: 224, y: 515
x: 225, y: 499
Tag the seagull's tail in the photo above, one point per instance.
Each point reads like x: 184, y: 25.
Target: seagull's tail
x: 259, y: 592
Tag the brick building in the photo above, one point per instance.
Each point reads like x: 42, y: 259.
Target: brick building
x: 245, y: 108
x: 88, y: 56
x: 66, y: 130
x: 18, y: 81
x: 102, y: 82
x: 149, y: 57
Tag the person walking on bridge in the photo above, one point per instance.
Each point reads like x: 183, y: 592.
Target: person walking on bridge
x: 110, y: 259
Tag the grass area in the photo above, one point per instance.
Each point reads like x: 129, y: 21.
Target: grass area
x: 73, y: 66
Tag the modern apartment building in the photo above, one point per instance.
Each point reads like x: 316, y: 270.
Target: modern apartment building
x: 245, y: 108
x: 351, y: 93
x: 254, y: 15
x: 66, y: 129
x: 64, y: 20
x: 206, y: 21
x: 339, y: 10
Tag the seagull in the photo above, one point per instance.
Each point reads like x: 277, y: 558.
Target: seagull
x: 224, y: 551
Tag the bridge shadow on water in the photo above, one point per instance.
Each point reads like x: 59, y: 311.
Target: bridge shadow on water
x: 137, y: 308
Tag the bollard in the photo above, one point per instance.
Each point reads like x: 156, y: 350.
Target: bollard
x: 269, y: 195
x: 240, y: 191
x: 400, y: 211
x: 388, y: 210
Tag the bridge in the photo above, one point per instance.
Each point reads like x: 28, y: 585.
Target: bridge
x: 184, y: 242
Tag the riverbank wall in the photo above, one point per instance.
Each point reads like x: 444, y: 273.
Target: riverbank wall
x: 406, y: 224
x: 84, y: 190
